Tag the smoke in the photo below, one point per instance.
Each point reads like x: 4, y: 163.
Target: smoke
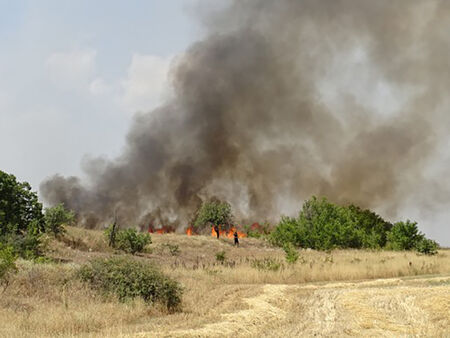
x: 282, y: 100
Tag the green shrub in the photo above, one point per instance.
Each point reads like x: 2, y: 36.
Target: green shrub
x: 404, y: 236
x: 324, y: 226
x: 221, y: 256
x: 427, y: 247
x: 127, y: 278
x: 291, y: 253
x: 266, y: 264
x: 55, y: 219
x: 28, y: 245
x: 129, y: 240
x: 7, y: 263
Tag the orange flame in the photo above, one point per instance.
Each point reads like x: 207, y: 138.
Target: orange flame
x: 228, y: 234
x: 163, y: 230
x: 189, y: 231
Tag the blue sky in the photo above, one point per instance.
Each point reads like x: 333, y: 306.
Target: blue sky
x: 72, y: 73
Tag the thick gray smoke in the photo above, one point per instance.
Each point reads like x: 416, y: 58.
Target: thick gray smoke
x: 282, y: 100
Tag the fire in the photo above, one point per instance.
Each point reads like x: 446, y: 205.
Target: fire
x: 165, y: 229
x: 255, y: 226
x: 229, y: 233
x: 189, y: 231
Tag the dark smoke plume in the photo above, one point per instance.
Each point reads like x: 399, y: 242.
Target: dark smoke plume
x: 282, y: 100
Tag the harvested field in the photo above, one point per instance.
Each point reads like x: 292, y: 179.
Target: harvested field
x: 337, y: 293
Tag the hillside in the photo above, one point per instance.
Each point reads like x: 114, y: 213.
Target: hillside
x: 253, y: 292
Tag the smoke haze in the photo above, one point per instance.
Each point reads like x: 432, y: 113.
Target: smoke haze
x: 283, y: 100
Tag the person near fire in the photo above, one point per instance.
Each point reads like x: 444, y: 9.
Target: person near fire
x: 216, y: 229
x: 236, y: 238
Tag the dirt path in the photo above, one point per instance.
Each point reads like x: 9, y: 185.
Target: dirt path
x: 379, y: 308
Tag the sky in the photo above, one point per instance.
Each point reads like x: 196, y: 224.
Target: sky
x: 73, y: 73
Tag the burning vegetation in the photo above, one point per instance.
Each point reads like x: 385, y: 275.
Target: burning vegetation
x: 227, y: 233
x: 161, y: 230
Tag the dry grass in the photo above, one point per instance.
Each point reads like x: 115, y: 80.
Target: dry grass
x: 235, y: 298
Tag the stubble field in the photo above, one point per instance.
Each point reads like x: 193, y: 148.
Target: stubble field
x: 253, y: 292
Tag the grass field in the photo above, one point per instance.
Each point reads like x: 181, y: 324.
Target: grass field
x: 252, y: 293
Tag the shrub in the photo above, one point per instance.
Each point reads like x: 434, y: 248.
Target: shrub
x: 7, y: 263
x: 221, y: 256
x: 404, y: 236
x: 291, y: 253
x: 129, y: 240
x: 127, y: 278
x: 174, y: 249
x: 55, y: 217
x: 427, y: 247
x: 323, y: 225
x: 214, y: 212
x: 266, y: 264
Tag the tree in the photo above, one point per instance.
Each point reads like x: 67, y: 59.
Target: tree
x: 373, y: 229
x: 427, y: 246
x: 214, y: 212
x: 323, y: 225
x: 55, y: 217
x: 404, y: 236
x: 19, y: 206
x: 21, y: 219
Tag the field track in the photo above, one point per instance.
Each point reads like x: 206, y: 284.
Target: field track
x: 378, y: 308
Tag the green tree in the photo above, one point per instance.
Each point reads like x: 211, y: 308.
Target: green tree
x: 404, y: 236
x: 372, y: 228
x: 320, y: 225
x: 56, y: 217
x: 323, y: 225
x: 19, y: 206
x: 21, y: 218
x: 427, y: 246
x: 214, y: 212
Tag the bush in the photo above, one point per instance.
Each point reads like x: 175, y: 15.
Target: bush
x: 323, y: 225
x: 427, y: 247
x: 127, y: 279
x: 129, y: 240
x: 404, y: 236
x: 214, y: 212
x: 56, y: 217
x: 174, y: 249
x: 266, y: 264
x: 221, y: 256
x: 29, y: 245
x: 291, y: 253
x: 7, y: 263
